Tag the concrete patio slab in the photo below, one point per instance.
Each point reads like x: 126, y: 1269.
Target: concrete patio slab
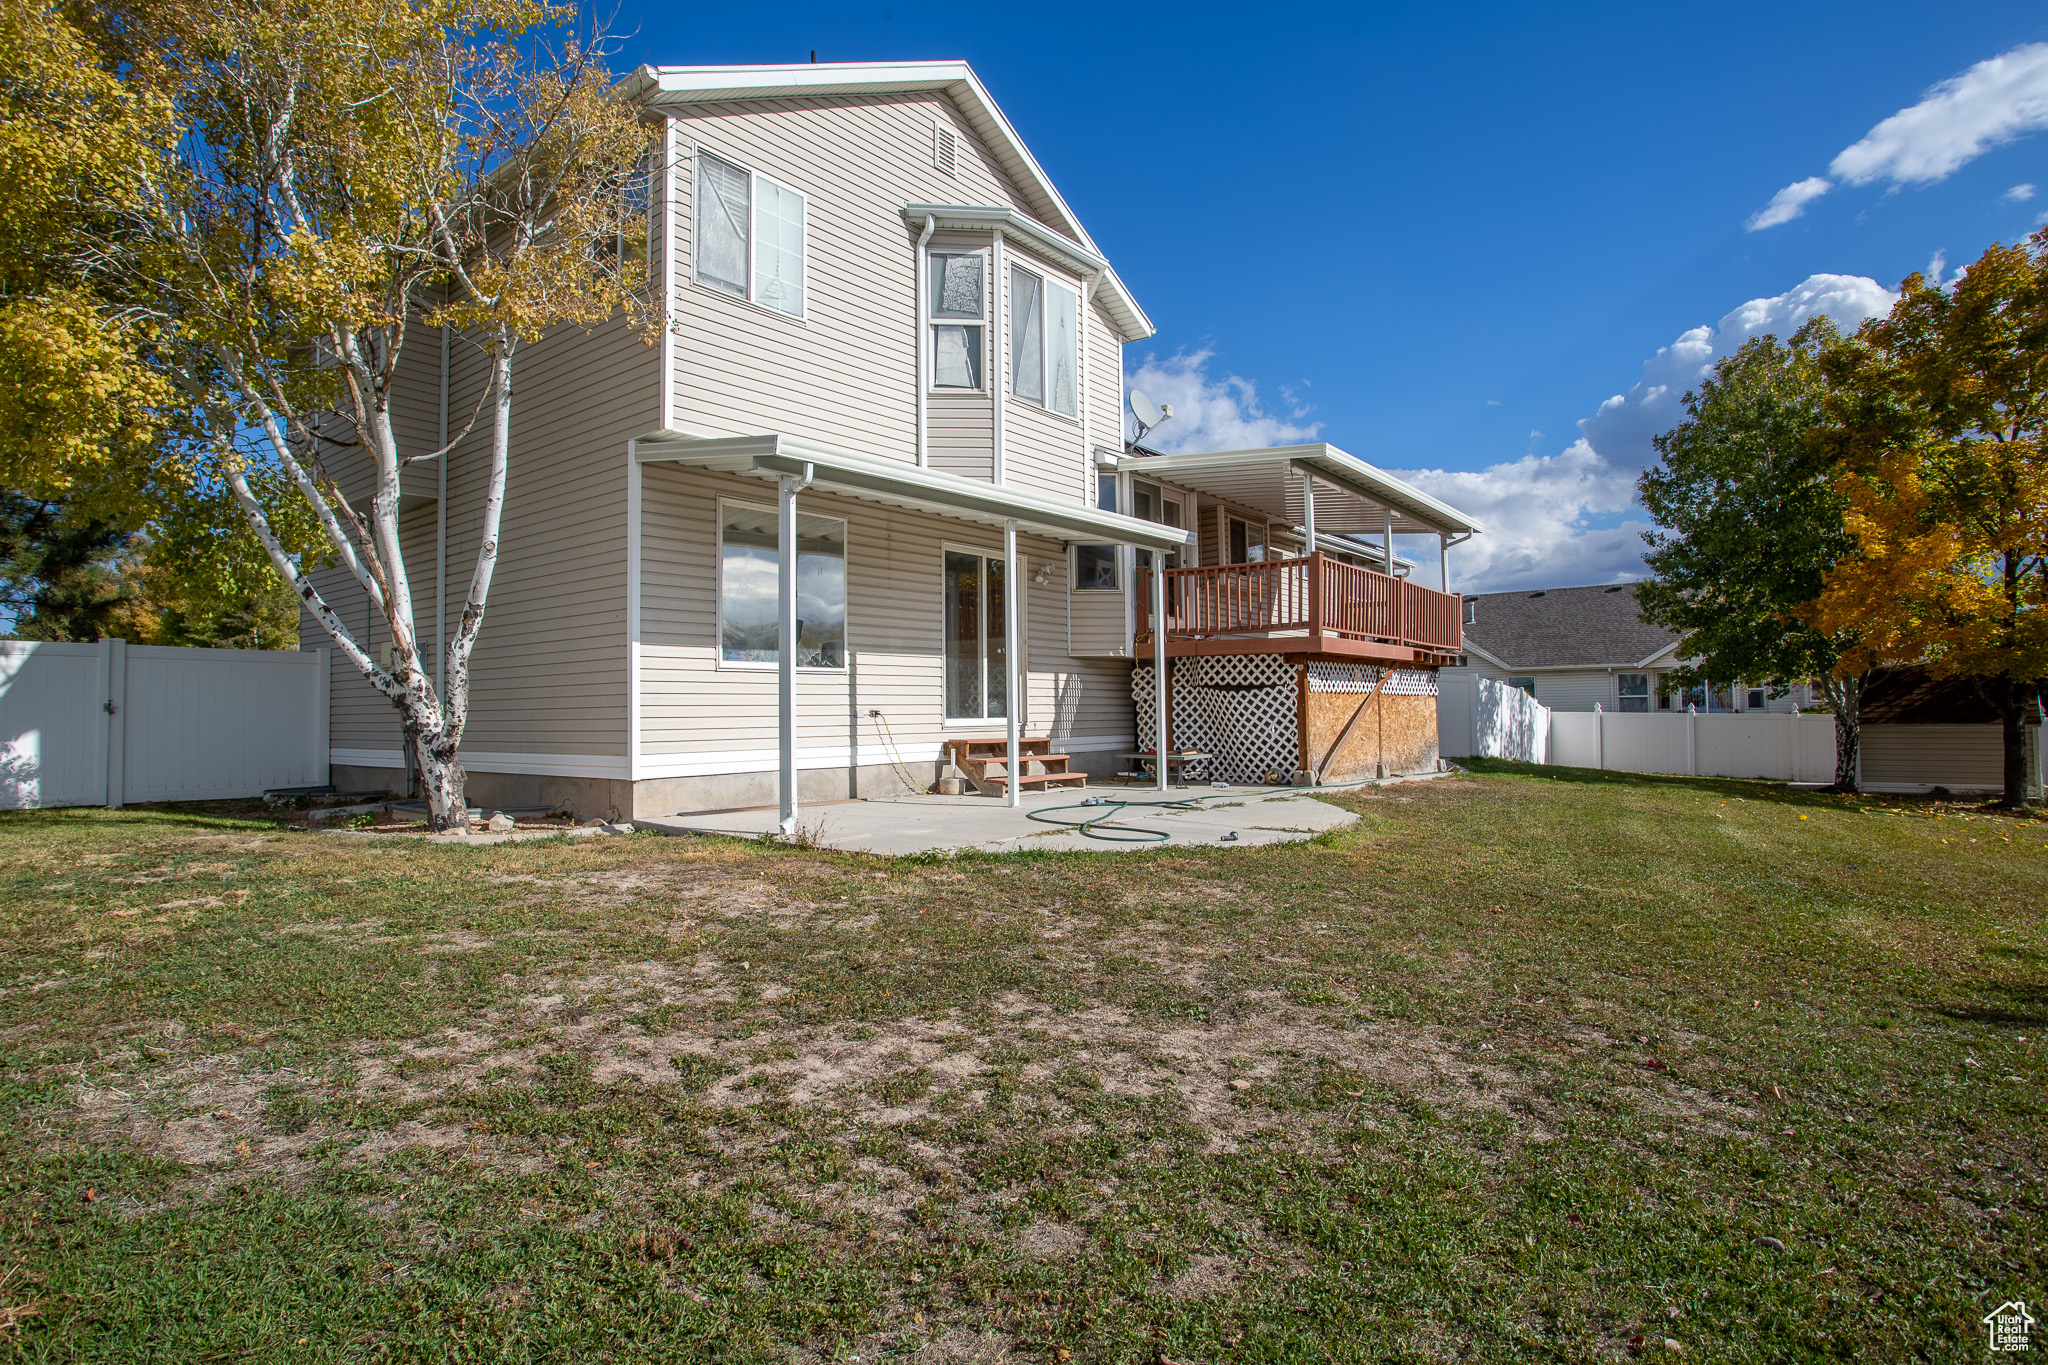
x: 1234, y: 817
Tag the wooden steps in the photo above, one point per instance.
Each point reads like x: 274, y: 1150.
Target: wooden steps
x: 1042, y: 767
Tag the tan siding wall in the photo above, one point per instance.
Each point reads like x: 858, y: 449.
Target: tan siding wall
x: 1097, y: 622
x: 1105, y: 383
x: 1953, y: 756
x: 845, y: 375
x: 959, y: 431
x: 549, y: 672
x: 697, y: 715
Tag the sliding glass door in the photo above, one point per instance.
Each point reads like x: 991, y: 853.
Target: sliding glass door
x: 976, y: 661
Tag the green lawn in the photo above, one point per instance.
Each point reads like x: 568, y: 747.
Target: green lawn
x: 1529, y: 1065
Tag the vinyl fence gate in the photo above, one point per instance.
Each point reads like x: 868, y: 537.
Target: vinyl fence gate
x: 112, y: 723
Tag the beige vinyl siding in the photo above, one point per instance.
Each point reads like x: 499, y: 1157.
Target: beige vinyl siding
x: 1104, y: 388
x: 1959, y: 757
x: 695, y: 709
x: 960, y: 434
x: 1575, y: 689
x: 1098, y: 621
x: 846, y: 374
x: 548, y: 675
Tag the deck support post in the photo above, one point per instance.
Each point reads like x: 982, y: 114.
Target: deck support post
x: 1162, y: 743
x: 1013, y: 687
x: 1308, y: 507
x: 785, y: 646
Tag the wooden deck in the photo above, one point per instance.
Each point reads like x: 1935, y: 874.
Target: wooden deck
x: 1314, y: 605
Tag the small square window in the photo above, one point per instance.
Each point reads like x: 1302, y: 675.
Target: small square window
x: 1756, y: 699
x: 1526, y: 684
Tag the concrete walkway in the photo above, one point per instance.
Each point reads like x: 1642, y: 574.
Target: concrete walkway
x: 1234, y: 817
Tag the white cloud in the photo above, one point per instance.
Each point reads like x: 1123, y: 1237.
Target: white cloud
x: 2018, y: 194
x: 1551, y: 520
x: 1789, y: 202
x: 1997, y: 100
x: 1219, y: 414
x: 1954, y: 123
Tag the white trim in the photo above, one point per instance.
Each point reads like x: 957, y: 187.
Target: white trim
x: 725, y: 762
x: 485, y: 761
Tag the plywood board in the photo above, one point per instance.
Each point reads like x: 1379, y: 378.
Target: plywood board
x: 1398, y: 732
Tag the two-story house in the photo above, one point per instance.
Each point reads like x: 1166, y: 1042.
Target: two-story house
x: 868, y: 495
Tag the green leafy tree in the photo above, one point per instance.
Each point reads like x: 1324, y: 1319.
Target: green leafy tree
x: 1751, y: 523
x: 313, y: 180
x: 1938, y: 420
x: 61, y: 571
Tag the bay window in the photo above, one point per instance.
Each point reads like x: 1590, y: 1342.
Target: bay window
x: 750, y: 235
x: 1045, y: 341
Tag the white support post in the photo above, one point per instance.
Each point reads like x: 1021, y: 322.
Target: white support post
x: 1013, y: 685
x: 785, y: 651
x: 1308, y: 509
x: 1443, y: 561
x: 1387, y: 541
x: 1162, y: 742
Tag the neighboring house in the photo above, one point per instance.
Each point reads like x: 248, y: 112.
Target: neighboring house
x: 894, y: 366
x: 1577, y: 648
x: 1920, y: 732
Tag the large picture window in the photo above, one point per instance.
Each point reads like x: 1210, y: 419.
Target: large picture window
x: 976, y: 657
x: 1045, y: 341
x: 748, y: 576
x: 959, y: 304
x: 750, y: 235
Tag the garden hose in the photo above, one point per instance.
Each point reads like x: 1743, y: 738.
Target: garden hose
x: 1094, y: 826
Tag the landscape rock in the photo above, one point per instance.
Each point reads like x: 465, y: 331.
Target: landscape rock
x: 500, y: 823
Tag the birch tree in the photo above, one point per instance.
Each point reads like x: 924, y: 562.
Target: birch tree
x: 346, y: 173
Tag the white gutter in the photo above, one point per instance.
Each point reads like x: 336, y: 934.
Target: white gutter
x: 924, y: 332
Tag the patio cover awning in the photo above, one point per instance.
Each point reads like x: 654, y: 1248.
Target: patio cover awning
x: 895, y: 483
x: 1352, y: 497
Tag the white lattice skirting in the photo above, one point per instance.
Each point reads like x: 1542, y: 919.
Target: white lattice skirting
x: 1240, y: 707
x: 1406, y: 682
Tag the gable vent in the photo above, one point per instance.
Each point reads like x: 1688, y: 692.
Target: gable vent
x: 945, y: 149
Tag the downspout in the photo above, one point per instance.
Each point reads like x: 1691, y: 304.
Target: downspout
x: 1000, y: 351
x: 924, y: 332
x: 785, y: 652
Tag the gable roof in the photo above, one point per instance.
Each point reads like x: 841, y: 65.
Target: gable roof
x: 1596, y: 627
x: 682, y: 86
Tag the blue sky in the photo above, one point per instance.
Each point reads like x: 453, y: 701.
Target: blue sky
x: 1443, y: 238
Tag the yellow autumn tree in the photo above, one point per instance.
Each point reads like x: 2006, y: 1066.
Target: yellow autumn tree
x: 1937, y: 418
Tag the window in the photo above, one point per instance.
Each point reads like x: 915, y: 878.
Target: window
x: 1526, y: 684
x: 1471, y: 611
x: 976, y: 660
x: 1756, y: 699
x: 1151, y: 503
x: 1045, y: 346
x: 1633, y: 689
x: 750, y: 235
x: 1682, y: 697
x: 1247, y: 542
x: 958, y: 291
x: 1095, y: 565
x: 748, y: 577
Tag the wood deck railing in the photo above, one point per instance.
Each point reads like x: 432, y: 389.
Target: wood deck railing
x: 1317, y: 597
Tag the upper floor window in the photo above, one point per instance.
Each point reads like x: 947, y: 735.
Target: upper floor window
x: 750, y: 235
x: 1045, y: 341
x: 959, y: 303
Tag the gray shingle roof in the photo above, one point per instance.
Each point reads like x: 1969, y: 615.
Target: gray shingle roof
x: 1560, y: 627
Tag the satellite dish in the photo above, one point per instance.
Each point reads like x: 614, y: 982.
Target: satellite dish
x: 1141, y: 408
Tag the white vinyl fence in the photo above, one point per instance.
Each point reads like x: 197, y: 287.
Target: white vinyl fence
x: 110, y: 723
x: 1758, y: 744
x: 1482, y: 718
